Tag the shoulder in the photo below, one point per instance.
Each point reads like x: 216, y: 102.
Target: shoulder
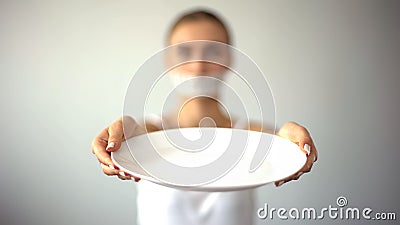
x: 254, y: 126
x: 152, y: 122
x: 259, y: 127
x: 151, y: 127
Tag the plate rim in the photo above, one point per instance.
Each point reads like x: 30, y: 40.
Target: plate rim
x: 206, y: 187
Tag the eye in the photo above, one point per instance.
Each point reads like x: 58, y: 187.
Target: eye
x: 214, y: 52
x: 183, y: 52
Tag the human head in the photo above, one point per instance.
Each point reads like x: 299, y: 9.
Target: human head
x: 199, y: 25
x: 202, y: 18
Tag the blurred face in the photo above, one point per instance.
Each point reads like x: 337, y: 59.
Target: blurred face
x: 208, y: 51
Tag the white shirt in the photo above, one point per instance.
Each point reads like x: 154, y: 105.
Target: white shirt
x: 160, y: 205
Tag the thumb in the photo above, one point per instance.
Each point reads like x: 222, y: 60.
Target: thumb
x: 305, y: 146
x: 115, y: 136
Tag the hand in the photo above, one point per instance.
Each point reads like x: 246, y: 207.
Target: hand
x: 109, y: 140
x: 299, y: 135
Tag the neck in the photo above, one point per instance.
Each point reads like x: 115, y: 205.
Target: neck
x: 194, y: 113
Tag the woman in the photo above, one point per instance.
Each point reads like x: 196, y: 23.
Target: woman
x: 162, y: 205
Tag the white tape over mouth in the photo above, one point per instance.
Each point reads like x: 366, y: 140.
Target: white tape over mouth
x: 196, y: 85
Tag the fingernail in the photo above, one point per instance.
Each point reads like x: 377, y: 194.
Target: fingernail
x: 122, y: 173
x: 111, y: 167
x: 307, y: 148
x: 110, y: 145
x: 280, y: 183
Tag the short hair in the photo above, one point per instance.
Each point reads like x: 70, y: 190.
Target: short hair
x: 198, y: 15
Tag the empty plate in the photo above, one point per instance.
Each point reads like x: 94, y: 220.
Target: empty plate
x: 209, y: 159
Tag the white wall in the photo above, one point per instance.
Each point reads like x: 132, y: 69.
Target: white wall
x: 65, y: 65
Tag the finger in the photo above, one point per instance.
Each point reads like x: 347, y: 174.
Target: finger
x: 305, y: 169
x: 136, y: 179
x: 100, y: 141
x: 312, y: 157
x: 109, y: 170
x: 314, y: 152
x: 309, y: 149
x: 280, y: 183
x: 283, y: 181
x: 116, y: 134
x: 308, y: 165
x: 99, y: 148
x: 102, y: 155
x: 124, y: 177
x: 294, y: 177
x: 305, y: 144
x: 132, y: 177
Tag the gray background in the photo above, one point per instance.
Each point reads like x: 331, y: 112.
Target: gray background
x: 65, y: 66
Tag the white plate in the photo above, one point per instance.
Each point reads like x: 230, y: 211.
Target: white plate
x: 283, y: 159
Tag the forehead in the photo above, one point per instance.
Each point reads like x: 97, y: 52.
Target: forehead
x: 198, y: 30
